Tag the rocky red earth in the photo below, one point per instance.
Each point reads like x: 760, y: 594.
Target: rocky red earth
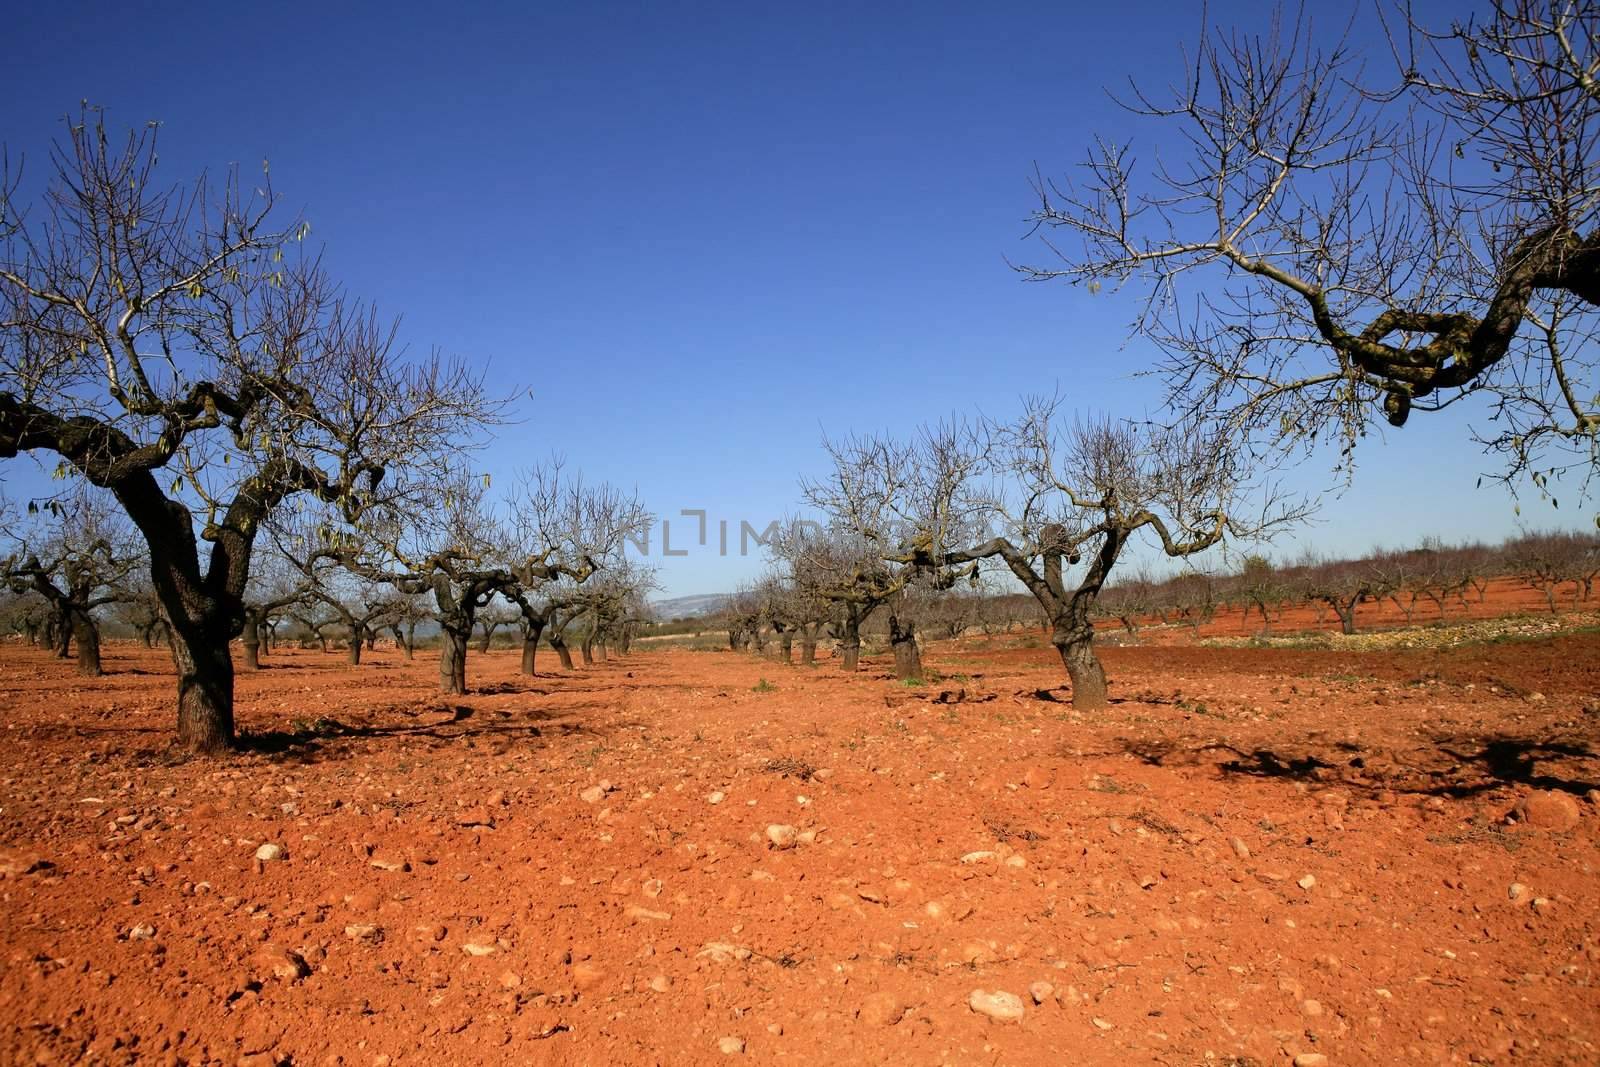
x: 1255, y: 855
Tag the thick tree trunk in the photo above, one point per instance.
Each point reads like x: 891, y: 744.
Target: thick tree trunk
x: 61, y: 635
x: 1083, y: 666
x: 565, y: 653
x: 251, y: 640
x: 205, y: 686
x: 1347, y: 617
x: 358, y: 637
x: 87, y: 634
x: 531, y: 632
x: 850, y: 647
x: 786, y: 646
x: 453, y: 659
x: 587, y: 650
x: 808, y: 649
x: 483, y: 642
x: 907, y: 658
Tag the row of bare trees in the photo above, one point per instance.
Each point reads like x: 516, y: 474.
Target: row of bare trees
x: 551, y: 563
x: 1050, y: 503
x: 1432, y: 579
x: 257, y: 443
x: 790, y: 604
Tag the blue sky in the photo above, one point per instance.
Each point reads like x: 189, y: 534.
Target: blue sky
x: 701, y: 234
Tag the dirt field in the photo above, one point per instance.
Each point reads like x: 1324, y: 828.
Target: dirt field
x: 1264, y: 855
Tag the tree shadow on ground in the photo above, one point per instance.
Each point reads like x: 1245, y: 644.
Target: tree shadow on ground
x: 329, y: 738
x: 1451, y: 766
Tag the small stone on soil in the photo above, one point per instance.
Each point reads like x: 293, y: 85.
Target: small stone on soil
x: 1000, y: 1006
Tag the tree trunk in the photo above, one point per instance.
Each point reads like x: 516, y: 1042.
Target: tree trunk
x: 1347, y: 617
x: 453, y: 659
x: 358, y: 637
x: 87, y: 634
x: 205, y: 685
x: 560, y: 645
x: 786, y: 646
x: 600, y: 651
x: 483, y: 642
x: 61, y: 634
x: 1083, y: 667
x: 850, y: 646
x: 251, y: 639
x: 587, y: 649
x: 907, y: 659
x: 808, y: 649
x: 530, y: 645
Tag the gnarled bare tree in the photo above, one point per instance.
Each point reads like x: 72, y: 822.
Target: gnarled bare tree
x: 1322, y: 245
x: 77, y: 558
x: 1076, y: 495
x: 899, y: 509
x: 452, y: 549
x: 561, y: 531
x: 172, y: 346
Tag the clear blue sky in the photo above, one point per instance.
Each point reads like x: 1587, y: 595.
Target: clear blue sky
x: 701, y: 234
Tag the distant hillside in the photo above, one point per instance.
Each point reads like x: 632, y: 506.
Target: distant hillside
x: 688, y: 607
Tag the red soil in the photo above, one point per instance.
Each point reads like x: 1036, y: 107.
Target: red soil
x: 1500, y: 597
x: 1365, y: 914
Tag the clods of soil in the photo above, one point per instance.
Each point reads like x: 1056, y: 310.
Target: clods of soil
x: 1267, y: 855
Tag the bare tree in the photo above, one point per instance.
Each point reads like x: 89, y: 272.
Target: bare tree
x: 1328, y: 245
x: 899, y: 509
x: 1260, y: 587
x: 805, y: 561
x: 140, y: 608
x: 276, y: 585
x: 25, y: 613
x: 1344, y: 586
x: 410, y: 610
x: 76, y: 558
x: 453, y: 550
x: 742, y: 613
x: 493, y: 618
x: 1547, y: 561
x: 1080, y: 495
x: 1126, y: 601
x: 562, y: 530
x: 150, y: 331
